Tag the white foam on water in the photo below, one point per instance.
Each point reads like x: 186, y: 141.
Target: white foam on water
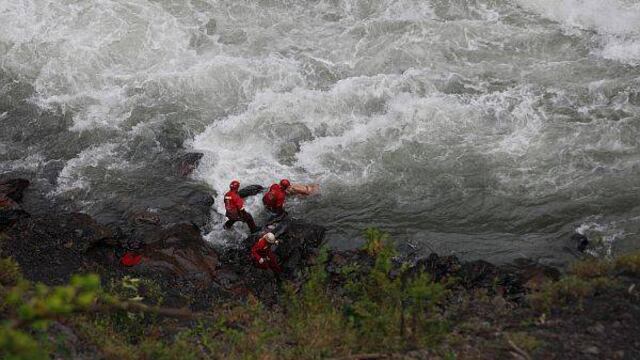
x: 616, y: 21
x: 29, y: 163
x: 601, y: 236
x: 72, y: 179
x: 378, y: 92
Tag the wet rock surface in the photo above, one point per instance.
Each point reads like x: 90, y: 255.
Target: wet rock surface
x: 11, y: 193
x: 188, y: 163
x: 50, y: 248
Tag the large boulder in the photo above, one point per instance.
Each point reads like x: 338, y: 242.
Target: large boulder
x: 13, y: 189
x: 11, y: 193
x: 299, y: 243
x: 179, y: 251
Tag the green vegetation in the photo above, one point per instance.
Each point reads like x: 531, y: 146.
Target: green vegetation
x: 586, y: 278
x: 382, y: 307
x: 591, y: 268
x: 524, y: 341
x: 629, y: 263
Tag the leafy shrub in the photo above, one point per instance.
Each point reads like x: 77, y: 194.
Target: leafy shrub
x: 31, y: 307
x: 524, y: 341
x: 591, y: 268
x: 570, y: 290
x: 388, y: 312
x: 9, y: 272
x: 376, y: 241
x: 629, y: 263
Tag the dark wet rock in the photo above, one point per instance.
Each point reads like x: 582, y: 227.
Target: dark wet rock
x: 184, y: 203
x: 11, y: 193
x: 137, y: 217
x: 526, y: 275
x: 9, y: 217
x: 211, y: 26
x: 13, y: 189
x: 250, y: 190
x: 512, y: 281
x: 299, y: 245
x: 581, y: 241
x: 200, y: 198
x: 188, y: 163
x: 51, y: 248
x: 179, y: 251
x: 233, y: 37
x: 438, y: 267
x: 196, y: 207
x: 87, y: 232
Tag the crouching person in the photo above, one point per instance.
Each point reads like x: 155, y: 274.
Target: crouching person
x: 262, y: 255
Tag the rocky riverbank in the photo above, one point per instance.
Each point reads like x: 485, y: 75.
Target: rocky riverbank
x: 470, y: 310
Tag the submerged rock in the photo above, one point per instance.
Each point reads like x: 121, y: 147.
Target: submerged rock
x: 189, y: 162
x: 211, y: 26
x: 581, y: 241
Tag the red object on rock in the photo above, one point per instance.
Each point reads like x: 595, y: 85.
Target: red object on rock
x: 130, y: 259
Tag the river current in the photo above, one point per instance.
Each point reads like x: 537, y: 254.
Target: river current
x: 490, y: 129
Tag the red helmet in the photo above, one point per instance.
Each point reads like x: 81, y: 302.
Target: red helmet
x: 235, y: 185
x: 284, y: 183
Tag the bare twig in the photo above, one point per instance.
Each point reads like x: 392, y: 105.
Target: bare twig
x: 119, y: 306
x: 372, y: 356
x: 518, y: 350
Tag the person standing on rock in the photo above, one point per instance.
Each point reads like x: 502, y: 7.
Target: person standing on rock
x: 262, y: 255
x: 234, y: 206
x: 274, y: 199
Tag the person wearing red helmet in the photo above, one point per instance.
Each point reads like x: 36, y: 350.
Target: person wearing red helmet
x: 274, y: 199
x: 262, y: 254
x: 234, y: 206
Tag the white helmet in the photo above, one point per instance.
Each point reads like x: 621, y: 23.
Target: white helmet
x: 270, y: 237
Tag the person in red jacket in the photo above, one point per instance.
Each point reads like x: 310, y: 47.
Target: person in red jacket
x: 262, y: 255
x: 234, y: 206
x: 274, y: 199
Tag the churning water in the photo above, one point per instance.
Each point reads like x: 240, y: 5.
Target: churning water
x: 488, y: 128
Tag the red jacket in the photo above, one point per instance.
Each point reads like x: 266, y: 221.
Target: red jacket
x: 233, y: 203
x: 262, y: 249
x: 274, y: 198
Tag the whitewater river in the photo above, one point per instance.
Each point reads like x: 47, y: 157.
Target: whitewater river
x: 491, y: 129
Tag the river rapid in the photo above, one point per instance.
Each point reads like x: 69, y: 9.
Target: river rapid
x: 490, y: 129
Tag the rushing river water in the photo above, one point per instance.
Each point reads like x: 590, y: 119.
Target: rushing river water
x: 490, y: 128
